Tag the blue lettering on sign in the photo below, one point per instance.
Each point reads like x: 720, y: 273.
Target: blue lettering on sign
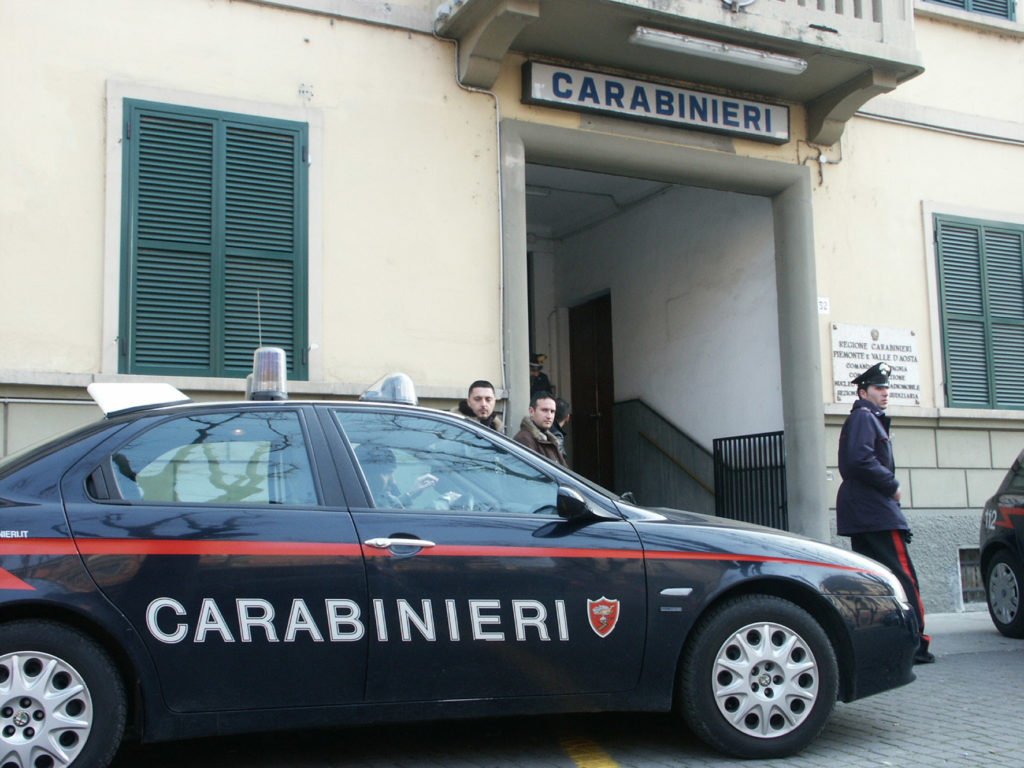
x: 663, y: 102
x: 751, y: 117
x: 698, y: 108
x: 640, y: 99
x: 561, y: 77
x: 613, y: 93
x: 589, y: 90
x: 730, y: 113
x: 626, y: 96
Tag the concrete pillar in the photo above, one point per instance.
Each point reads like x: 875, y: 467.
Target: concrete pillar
x: 515, y: 309
x: 800, y: 360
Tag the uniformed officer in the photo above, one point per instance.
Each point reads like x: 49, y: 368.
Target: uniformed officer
x: 868, y: 505
x: 539, y: 381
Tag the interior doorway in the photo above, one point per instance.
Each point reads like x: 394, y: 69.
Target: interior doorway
x: 592, y: 390
x: 652, y: 302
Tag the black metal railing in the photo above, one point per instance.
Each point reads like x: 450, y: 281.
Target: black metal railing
x: 750, y: 479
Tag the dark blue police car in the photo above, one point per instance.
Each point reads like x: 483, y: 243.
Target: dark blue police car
x: 1002, y: 552
x: 185, y: 570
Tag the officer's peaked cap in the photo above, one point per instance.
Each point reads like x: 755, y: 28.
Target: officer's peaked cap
x: 877, y: 375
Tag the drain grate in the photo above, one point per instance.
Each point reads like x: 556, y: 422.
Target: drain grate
x: 971, y: 586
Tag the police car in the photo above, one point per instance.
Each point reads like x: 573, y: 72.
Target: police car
x: 1002, y: 552
x: 188, y: 569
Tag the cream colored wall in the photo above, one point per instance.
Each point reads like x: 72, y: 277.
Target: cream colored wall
x: 408, y: 168
x: 873, y: 212
x: 962, y: 66
x: 950, y: 141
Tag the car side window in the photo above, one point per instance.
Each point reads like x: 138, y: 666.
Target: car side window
x: 237, y: 457
x: 1016, y: 484
x: 417, y: 462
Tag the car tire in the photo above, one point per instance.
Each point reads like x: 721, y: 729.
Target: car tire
x: 62, y: 700
x: 758, y: 678
x: 1003, y: 584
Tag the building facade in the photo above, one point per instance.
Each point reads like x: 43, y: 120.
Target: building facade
x: 704, y: 213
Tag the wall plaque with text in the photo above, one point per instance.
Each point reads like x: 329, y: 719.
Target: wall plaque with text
x: 855, y: 348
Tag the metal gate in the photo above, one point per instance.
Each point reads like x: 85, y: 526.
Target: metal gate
x: 750, y: 479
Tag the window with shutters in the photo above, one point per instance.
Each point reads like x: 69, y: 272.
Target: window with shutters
x: 981, y: 294
x: 1004, y: 9
x: 213, y: 241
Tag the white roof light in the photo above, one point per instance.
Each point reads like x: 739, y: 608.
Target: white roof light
x: 118, y: 397
x: 393, y: 388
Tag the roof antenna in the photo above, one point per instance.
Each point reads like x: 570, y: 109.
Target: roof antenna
x: 268, y: 380
x: 259, y: 320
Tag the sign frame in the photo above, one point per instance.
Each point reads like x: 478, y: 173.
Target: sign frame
x: 587, y: 90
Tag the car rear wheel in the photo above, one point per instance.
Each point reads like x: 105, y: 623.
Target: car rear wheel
x: 759, y: 678
x: 62, y: 701
x: 1003, y: 590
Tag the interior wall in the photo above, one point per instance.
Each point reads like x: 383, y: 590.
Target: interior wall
x: 695, y: 320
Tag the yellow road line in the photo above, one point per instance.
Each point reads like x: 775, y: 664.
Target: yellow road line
x: 586, y: 753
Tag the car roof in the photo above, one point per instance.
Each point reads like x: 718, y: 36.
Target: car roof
x: 117, y: 399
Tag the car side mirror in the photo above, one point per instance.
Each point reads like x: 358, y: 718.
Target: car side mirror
x: 571, y: 503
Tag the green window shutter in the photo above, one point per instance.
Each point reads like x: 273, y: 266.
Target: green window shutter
x: 1004, y: 9
x: 1004, y: 258
x: 214, y: 241
x: 172, y: 305
x: 262, y: 205
x: 981, y: 288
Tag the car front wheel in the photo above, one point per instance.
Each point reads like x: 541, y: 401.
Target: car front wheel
x: 759, y: 677
x: 62, y: 702
x: 1003, y: 590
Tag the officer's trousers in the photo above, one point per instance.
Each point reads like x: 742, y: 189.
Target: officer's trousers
x: 890, y: 549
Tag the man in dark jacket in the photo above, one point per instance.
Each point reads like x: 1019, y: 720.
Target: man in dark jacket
x: 479, y: 404
x: 868, y: 504
x: 535, y: 429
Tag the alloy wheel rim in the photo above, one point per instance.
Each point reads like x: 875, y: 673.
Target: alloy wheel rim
x: 1003, y: 593
x: 46, y: 711
x: 765, y: 680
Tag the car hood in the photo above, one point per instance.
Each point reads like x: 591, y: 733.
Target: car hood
x: 661, y: 528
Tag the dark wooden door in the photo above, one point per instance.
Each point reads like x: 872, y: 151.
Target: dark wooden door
x: 593, y: 395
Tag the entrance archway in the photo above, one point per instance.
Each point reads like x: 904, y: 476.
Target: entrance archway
x: 787, y: 187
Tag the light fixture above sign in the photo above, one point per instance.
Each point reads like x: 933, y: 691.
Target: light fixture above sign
x: 710, y: 49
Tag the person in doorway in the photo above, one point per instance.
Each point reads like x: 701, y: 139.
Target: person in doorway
x: 868, y: 504
x: 479, y: 405
x: 539, y: 381
x: 563, y: 411
x: 535, y: 429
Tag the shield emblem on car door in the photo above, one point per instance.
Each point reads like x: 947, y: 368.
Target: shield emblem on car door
x: 603, y: 615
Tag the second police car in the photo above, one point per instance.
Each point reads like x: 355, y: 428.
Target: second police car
x: 185, y: 570
x: 1002, y: 552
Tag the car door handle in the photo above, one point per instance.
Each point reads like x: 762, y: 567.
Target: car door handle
x: 384, y: 543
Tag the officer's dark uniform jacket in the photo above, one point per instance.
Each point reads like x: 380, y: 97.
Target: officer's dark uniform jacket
x: 865, y: 503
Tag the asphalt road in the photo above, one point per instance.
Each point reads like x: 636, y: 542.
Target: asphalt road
x: 962, y: 711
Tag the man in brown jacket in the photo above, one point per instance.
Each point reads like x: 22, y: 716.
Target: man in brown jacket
x: 535, y: 430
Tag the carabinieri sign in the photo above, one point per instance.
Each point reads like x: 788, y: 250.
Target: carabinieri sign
x: 582, y: 90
